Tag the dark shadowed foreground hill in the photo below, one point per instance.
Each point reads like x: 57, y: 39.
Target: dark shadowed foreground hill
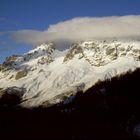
x: 110, y: 109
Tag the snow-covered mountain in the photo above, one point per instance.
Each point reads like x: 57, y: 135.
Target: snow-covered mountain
x: 45, y: 75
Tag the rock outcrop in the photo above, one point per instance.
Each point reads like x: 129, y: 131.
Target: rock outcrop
x: 101, y: 53
x: 11, y: 96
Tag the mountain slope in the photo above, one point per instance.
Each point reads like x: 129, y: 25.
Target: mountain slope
x: 50, y: 76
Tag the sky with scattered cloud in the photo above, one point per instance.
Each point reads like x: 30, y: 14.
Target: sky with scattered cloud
x: 25, y: 23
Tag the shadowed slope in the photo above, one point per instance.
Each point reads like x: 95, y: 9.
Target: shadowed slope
x: 110, y: 109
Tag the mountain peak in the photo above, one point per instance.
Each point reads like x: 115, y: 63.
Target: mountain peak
x: 48, y: 75
x: 44, y: 47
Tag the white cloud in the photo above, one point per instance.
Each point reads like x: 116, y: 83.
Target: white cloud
x: 29, y: 36
x: 82, y: 29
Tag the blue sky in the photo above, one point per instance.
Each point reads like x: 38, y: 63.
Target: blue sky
x: 39, y: 14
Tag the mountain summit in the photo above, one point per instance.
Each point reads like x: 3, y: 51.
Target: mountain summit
x: 45, y: 76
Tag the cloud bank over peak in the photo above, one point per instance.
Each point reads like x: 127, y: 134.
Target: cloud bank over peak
x: 83, y: 28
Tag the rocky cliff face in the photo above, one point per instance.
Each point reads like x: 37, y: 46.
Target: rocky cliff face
x: 102, y: 53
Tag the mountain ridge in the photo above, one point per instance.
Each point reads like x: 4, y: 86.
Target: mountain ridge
x: 48, y: 74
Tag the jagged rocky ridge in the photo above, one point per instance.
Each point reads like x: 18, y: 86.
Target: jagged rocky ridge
x: 50, y: 76
x: 101, y: 54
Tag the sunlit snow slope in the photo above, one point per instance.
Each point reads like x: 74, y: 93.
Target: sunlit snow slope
x: 48, y: 74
